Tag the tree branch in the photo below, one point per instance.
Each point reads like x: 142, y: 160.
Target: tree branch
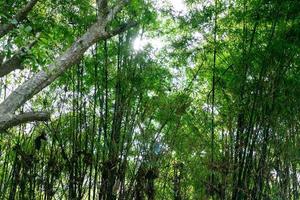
x: 15, y: 62
x: 101, y: 8
x: 122, y: 28
x: 20, y: 16
x: 12, y: 64
x: 45, y: 77
x: 10, y: 120
x: 116, y: 9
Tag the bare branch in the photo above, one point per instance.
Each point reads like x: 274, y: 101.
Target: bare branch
x: 10, y: 120
x: 20, y: 16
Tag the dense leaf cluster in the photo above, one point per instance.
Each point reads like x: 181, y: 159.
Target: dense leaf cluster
x: 212, y: 113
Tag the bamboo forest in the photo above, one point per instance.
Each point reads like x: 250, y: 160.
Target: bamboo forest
x: 149, y: 99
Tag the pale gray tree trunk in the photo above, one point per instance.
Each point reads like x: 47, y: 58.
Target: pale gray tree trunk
x: 45, y: 77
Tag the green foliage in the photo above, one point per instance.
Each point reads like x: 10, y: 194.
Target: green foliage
x: 212, y: 114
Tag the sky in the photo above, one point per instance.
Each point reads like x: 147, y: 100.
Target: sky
x: 179, y: 8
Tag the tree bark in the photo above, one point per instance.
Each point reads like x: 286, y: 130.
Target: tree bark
x: 10, y: 120
x: 71, y: 56
x: 15, y: 62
